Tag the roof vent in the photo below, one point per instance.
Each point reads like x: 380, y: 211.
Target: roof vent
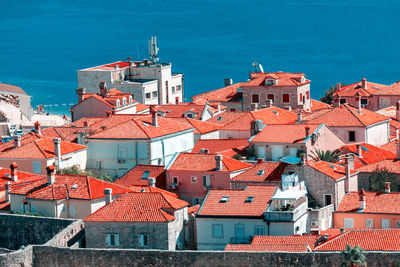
x: 219, y: 119
x: 260, y: 172
x: 276, y: 112
x: 249, y: 199
x: 333, y: 167
x: 75, y: 186
x: 224, y: 199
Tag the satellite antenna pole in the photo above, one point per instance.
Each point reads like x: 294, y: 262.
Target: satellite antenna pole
x: 153, y: 49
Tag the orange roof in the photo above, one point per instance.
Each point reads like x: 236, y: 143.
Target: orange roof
x: 225, y: 94
x: 357, y: 89
x: 38, y: 148
x: 139, y: 207
x: 110, y: 66
x: 236, y: 204
x: 152, y: 189
x: 307, y: 240
x: 269, y: 247
x: 200, y: 127
x: 388, y: 112
x: 69, y: 134
x: 227, y: 117
x: 227, y: 147
x: 178, y: 110
x: 318, y: 105
x: 4, y: 87
x: 332, y: 170
x: 194, y: 209
x: 284, y: 79
x: 376, y: 202
x: 23, y: 178
x: 140, y: 173
x: 69, y: 186
x: 265, y: 171
x: 346, y: 115
x: 206, y: 162
x: 371, y: 239
x: 390, y: 165
x: 292, y: 133
x: 393, y: 89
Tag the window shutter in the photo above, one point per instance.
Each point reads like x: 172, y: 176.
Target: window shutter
x: 108, y: 240
x: 116, y: 238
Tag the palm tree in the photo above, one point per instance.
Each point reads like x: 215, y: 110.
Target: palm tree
x: 354, y: 256
x: 327, y: 155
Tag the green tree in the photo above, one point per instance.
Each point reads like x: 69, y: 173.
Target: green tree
x: 379, y: 177
x: 327, y: 155
x: 354, y: 256
x: 328, y: 97
x: 75, y: 171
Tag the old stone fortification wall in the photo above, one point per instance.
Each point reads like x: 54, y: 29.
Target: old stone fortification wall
x: 18, y: 230
x: 20, y: 258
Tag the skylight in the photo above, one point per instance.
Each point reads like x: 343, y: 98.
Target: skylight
x: 276, y: 112
x: 260, y: 172
x: 145, y: 175
x: 376, y: 87
x: 219, y: 119
x: 333, y: 167
x: 249, y: 199
x: 358, y: 111
x: 224, y: 199
x: 7, y: 175
x: 364, y: 148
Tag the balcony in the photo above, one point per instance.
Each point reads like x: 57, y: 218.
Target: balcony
x: 277, y: 215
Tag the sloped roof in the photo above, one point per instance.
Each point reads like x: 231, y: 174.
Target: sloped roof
x: 140, y: 173
x: 200, y: 127
x: 357, y: 89
x: 236, y: 205
x: 4, y: 87
x: 393, y: 89
x: 265, y: 171
x: 284, y: 79
x: 225, y: 94
x: 332, y: 170
x: 69, y: 186
x: 292, y: 133
x: 227, y: 117
x: 318, y: 105
x: 152, y: 189
x: 226, y: 147
x: 23, y: 177
x: 391, y: 165
x: 206, y: 162
x: 138, y: 207
x: 376, y: 202
x: 346, y: 115
x: 269, y: 247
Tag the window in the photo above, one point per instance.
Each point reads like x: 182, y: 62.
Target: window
x: 124, y: 101
x: 99, y: 164
x: 342, y: 101
x: 72, y: 211
x: 301, y: 98
x: 148, y: 95
x: 352, y: 136
x: 178, y: 88
x: 197, y: 200
x: 143, y: 240
x: 194, y: 179
x: 239, y: 231
x: 255, y: 98
x: 249, y: 199
x: 328, y: 199
x: 308, y: 94
x: 145, y: 175
x: 364, y: 101
x: 173, y: 89
x: 37, y: 167
x: 206, y: 180
x: 269, y: 82
x: 271, y: 97
x: 224, y: 199
x: 117, y: 103
x: 385, y: 223
x: 348, y: 223
x: 217, y: 231
x: 190, y: 115
x: 285, y: 98
x: 259, y: 230
x: 112, y: 240
x: 154, y: 94
x: 260, y: 172
x: 175, y: 180
x: 369, y: 223
x: 233, y: 109
x: 121, y: 154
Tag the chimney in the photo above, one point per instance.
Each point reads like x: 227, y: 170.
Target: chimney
x: 398, y: 147
x: 307, y: 130
x: 398, y: 110
x: 57, y: 148
x: 299, y: 117
x: 260, y: 160
x: 116, y: 67
x: 338, y: 86
x: 336, y: 102
x: 17, y: 141
x: 254, y: 106
x: 387, y: 187
x: 347, y: 173
x: 37, y: 128
x: 342, y: 230
x: 80, y: 92
x: 359, y: 150
x: 14, y: 171
x: 154, y: 119
x: 268, y: 103
x: 302, y: 159
x: 151, y: 181
x: 358, y: 102
x: 204, y: 151
x: 85, y: 124
x: 361, y: 202
x: 103, y: 89
x: 218, y: 162
x: 51, y: 174
x: 364, y: 83
x: 7, y: 191
x: 108, y: 195
x: 288, y: 108
x: 177, y: 100
x: 228, y: 82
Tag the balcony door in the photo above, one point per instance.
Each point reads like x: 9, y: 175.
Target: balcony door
x: 239, y: 231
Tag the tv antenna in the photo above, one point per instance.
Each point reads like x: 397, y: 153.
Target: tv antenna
x: 257, y: 67
x: 153, y: 49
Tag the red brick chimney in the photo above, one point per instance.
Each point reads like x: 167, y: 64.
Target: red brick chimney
x: 364, y: 83
x: 338, y: 86
x: 81, y: 94
x: 177, y: 100
x: 51, y: 174
x: 37, y: 128
x: 14, y: 171
x: 103, y: 89
x: 307, y: 130
x: 260, y: 160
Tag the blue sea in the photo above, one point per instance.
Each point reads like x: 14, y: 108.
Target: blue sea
x: 43, y: 43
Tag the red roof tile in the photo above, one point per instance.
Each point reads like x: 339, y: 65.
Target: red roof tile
x: 225, y: 94
x: 393, y: 89
x: 332, y: 170
x: 227, y: 147
x: 372, y: 239
x: 139, y: 176
x: 265, y: 171
x: 194, y: 209
x: 200, y: 127
x: 318, y: 105
x: 357, y: 89
x: 390, y: 165
x: 23, y: 178
x: 236, y: 205
x: 346, y: 115
x: 227, y: 117
x: 206, y: 162
x: 269, y: 247
x: 152, y: 189
x: 376, y: 202
x: 284, y: 79
x: 307, y: 240
x: 11, y: 89
x: 138, y: 207
x: 293, y: 133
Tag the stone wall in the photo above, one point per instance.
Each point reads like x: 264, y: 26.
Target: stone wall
x: 18, y: 230
x: 20, y: 258
x: 71, y: 236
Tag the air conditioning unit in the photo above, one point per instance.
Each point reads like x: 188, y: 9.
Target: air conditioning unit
x: 398, y: 224
x: 314, y: 225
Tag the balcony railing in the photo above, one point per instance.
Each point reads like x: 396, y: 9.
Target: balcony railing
x: 285, y: 216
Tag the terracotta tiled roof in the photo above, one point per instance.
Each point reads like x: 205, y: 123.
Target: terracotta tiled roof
x: 346, y: 115
x: 284, y: 79
x: 236, y: 204
x: 82, y: 122
x: 293, y: 133
x: 178, y: 110
x: 376, y: 202
x: 227, y: 117
x: 318, y: 105
x: 285, y: 240
x: 265, y: 171
x: 152, y: 189
x: 69, y: 134
x: 69, y: 186
x: 39, y: 148
x: 226, y: 147
x: 388, y: 112
x: 138, y: 207
x: 332, y: 170
x: 393, y: 89
x: 371, y: 239
x: 269, y: 247
x: 357, y: 89
x: 200, y: 127
x: 23, y: 178
x: 206, y: 162
x: 140, y: 173
x: 194, y: 209
x: 11, y: 89
x: 391, y: 146
x: 110, y: 66
x: 225, y: 94
x: 391, y: 165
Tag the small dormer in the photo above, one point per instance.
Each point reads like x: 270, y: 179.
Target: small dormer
x: 124, y: 101
x: 190, y: 114
x: 130, y: 99
x: 117, y: 103
x: 270, y: 81
x: 303, y: 79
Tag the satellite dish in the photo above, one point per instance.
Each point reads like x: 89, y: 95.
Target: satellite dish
x: 261, y: 68
x: 255, y: 64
